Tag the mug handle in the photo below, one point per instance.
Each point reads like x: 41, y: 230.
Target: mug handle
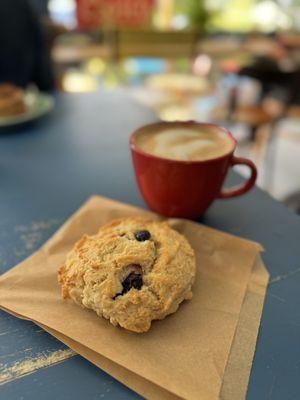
x: 244, y: 187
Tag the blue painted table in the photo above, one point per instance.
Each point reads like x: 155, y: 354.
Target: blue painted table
x: 47, y: 170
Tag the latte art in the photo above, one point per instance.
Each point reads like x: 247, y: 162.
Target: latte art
x: 185, y: 143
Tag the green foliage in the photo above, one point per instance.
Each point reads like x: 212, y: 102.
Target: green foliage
x: 195, y: 10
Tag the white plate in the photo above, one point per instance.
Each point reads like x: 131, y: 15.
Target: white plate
x: 38, y: 104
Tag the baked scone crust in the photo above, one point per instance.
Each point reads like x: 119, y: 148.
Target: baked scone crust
x: 95, y: 269
x: 11, y: 100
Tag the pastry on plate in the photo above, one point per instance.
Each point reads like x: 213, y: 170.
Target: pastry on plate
x: 12, y: 100
x: 133, y: 271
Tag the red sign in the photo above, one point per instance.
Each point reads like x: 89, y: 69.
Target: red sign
x: 115, y: 13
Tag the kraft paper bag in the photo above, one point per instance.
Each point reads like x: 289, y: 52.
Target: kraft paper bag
x: 186, y: 354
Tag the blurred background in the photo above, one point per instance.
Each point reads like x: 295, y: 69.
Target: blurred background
x: 232, y: 62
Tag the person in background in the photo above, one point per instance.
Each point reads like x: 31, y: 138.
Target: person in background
x: 277, y: 78
x: 40, y: 7
x: 24, y: 56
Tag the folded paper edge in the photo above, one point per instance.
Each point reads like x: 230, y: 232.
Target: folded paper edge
x: 74, y: 345
x: 231, y: 389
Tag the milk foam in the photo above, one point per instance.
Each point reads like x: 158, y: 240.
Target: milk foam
x: 187, y: 144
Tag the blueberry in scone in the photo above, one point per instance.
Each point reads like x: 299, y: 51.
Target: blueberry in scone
x: 133, y: 271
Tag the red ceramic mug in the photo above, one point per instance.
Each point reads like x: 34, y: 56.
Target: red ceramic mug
x: 186, y: 189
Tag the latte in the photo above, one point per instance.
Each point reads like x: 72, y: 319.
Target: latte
x: 185, y: 143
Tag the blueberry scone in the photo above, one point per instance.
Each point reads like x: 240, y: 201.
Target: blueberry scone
x: 133, y: 271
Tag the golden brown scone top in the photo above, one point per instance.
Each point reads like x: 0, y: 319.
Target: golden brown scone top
x: 133, y: 271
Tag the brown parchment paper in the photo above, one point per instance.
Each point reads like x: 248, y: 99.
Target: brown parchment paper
x: 184, y: 355
x: 235, y: 379
x: 238, y: 368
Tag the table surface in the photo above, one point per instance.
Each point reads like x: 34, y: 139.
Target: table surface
x: 47, y: 169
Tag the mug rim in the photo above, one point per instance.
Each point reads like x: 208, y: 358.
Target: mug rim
x: 133, y: 146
